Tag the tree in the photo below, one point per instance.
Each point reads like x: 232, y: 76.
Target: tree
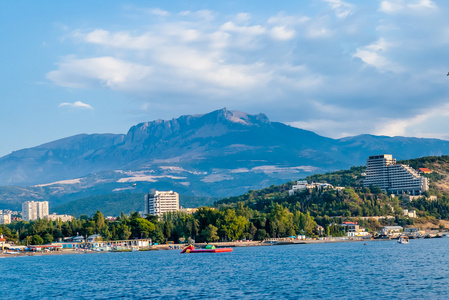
x: 261, y: 234
x: 231, y: 225
x: 98, y: 218
x: 36, y: 240
x: 124, y: 231
x: 105, y: 233
x: 144, y: 227
x: 210, y: 233
x: 167, y: 230
x: 48, y: 238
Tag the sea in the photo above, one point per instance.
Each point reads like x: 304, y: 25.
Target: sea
x: 350, y: 270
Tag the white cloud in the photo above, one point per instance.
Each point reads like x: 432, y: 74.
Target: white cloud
x: 202, y: 15
x: 341, y: 8
x: 242, y: 17
x: 251, y: 30
x: 405, y: 6
x: 375, y: 55
x: 159, y: 12
x: 419, y: 125
x: 286, y: 20
x: 77, y: 104
x: 119, y: 40
x: 282, y: 33
x: 276, y: 62
x: 104, y: 71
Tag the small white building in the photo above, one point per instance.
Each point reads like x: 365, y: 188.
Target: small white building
x: 409, y: 213
x: 392, y: 231
x: 94, y: 238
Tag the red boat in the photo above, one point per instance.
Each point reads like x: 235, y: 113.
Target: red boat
x: 209, y: 249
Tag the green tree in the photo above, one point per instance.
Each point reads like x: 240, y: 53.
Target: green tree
x: 124, y: 231
x: 210, y: 233
x: 144, y: 228
x: 36, y: 240
x: 167, y: 230
x: 98, y: 218
x: 105, y: 233
x: 48, y: 238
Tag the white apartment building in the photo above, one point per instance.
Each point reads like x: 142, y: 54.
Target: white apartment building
x: 383, y: 171
x: 5, y: 218
x: 55, y: 217
x: 158, y: 202
x: 34, y: 210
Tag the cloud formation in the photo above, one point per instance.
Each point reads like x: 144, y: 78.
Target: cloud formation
x: 346, y: 68
x: 76, y: 105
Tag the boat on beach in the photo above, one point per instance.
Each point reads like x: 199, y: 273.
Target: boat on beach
x: 403, y: 239
x: 208, y: 249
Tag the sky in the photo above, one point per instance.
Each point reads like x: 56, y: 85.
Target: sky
x: 338, y: 68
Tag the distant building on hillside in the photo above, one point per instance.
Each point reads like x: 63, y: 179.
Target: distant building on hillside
x: 34, y: 210
x: 5, y: 218
x: 158, y: 202
x: 425, y: 170
x: 55, y: 217
x: 409, y: 213
x: 384, y: 172
x: 303, y: 184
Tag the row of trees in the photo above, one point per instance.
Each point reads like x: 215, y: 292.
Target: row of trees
x: 205, y: 225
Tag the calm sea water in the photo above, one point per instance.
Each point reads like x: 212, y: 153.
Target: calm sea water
x: 377, y: 270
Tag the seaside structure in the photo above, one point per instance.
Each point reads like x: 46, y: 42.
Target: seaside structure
x: 384, y: 172
x: 392, y: 231
x: 2, y: 242
x: 353, y: 229
x: 159, y: 202
x: 34, y: 210
x: 55, y: 217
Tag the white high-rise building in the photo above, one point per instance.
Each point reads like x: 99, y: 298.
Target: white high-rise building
x: 157, y: 203
x: 34, y: 210
x: 384, y: 172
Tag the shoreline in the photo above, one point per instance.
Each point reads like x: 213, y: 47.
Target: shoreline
x: 199, y: 245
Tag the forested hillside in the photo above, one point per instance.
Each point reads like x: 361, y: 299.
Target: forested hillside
x: 267, y: 213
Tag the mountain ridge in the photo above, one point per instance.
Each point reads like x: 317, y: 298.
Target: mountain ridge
x: 218, y: 154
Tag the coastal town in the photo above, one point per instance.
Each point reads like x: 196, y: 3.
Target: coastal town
x: 397, y: 181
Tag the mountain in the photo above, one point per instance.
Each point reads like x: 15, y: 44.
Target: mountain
x: 222, y: 153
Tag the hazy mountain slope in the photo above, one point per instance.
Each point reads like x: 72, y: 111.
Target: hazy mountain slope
x: 218, y: 154
x: 114, y: 204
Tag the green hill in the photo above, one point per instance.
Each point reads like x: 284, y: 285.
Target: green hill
x: 354, y: 200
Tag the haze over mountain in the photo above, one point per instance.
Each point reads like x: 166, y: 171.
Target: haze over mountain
x: 221, y: 153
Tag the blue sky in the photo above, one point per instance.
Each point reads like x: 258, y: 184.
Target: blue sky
x: 338, y: 68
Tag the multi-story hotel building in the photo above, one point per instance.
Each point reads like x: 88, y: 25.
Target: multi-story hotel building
x: 34, y: 210
x: 384, y: 172
x: 157, y: 202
